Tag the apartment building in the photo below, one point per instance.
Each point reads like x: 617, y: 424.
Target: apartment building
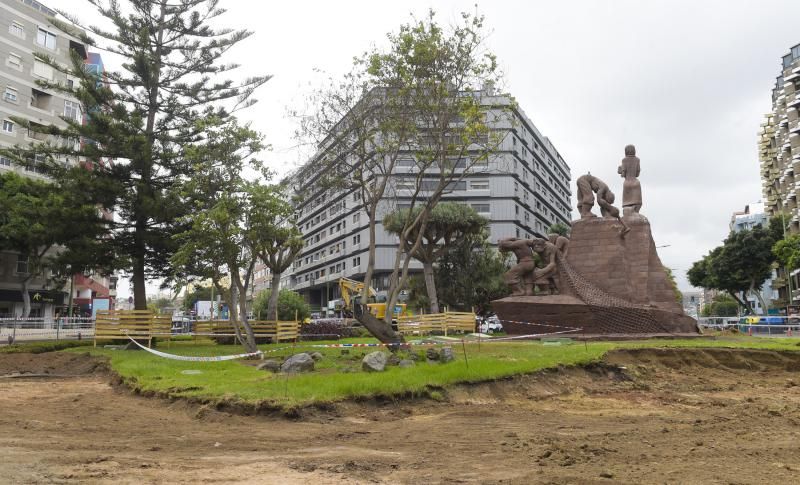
x: 521, y: 190
x: 27, y: 26
x: 779, y: 156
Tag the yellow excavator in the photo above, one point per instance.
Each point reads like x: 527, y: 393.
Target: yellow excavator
x: 351, y: 294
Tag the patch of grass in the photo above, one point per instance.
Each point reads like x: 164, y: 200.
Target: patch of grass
x: 338, y: 376
x: 41, y: 347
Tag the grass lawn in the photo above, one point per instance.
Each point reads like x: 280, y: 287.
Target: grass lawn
x: 338, y: 376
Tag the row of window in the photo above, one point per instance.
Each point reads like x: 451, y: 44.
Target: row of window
x: 331, y: 270
x: 44, y: 37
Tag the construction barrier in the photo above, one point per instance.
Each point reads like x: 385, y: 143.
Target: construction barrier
x: 121, y: 324
x: 143, y: 325
x: 277, y: 331
x: 447, y: 322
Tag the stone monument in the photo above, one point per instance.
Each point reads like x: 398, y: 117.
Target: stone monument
x: 605, y: 280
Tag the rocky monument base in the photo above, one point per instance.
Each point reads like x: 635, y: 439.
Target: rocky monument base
x: 611, y: 282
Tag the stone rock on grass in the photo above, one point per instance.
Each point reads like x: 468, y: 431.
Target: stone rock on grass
x: 271, y: 365
x: 432, y: 354
x: 406, y: 363
x: 298, y: 363
x: 374, y: 362
x: 447, y: 355
x: 393, y: 360
x: 316, y: 356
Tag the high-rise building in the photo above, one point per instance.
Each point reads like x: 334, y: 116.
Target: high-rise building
x: 522, y: 191
x: 779, y: 142
x: 779, y: 155
x: 27, y: 27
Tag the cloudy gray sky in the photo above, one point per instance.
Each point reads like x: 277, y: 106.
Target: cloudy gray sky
x: 686, y: 81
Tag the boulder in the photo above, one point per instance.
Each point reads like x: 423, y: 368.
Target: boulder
x: 271, y: 365
x: 298, y: 363
x: 316, y: 356
x: 432, y: 354
x: 447, y: 355
x: 406, y: 363
x: 374, y: 362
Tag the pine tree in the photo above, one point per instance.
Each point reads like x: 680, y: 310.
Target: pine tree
x: 141, y: 120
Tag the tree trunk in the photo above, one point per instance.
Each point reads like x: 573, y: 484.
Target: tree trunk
x: 378, y: 328
x: 139, y: 283
x: 26, y: 298
x: 745, y: 303
x: 430, y: 285
x: 760, y: 299
x: 370, y: 256
x: 239, y: 294
x: 272, y: 304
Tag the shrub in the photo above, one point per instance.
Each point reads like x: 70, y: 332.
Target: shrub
x: 288, y: 302
x: 327, y: 329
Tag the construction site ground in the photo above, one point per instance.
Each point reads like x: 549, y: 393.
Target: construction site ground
x: 639, y: 416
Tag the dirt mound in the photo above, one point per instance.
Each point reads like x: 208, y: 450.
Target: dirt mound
x: 640, y: 416
x: 726, y: 359
x: 52, y: 363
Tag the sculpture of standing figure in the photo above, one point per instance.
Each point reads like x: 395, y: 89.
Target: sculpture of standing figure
x: 631, y: 188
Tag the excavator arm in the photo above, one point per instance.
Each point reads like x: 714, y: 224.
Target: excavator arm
x: 351, y: 289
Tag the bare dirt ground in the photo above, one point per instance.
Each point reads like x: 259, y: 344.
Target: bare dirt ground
x: 649, y: 416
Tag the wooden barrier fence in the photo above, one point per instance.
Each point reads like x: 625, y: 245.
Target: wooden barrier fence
x: 447, y: 322
x: 143, y: 325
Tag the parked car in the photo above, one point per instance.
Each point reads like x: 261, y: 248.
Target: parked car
x: 489, y: 324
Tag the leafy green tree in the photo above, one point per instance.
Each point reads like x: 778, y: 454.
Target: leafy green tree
x: 281, y: 241
x: 198, y: 293
x: 54, y: 229
x: 232, y: 218
x: 787, y: 251
x: 289, y: 302
x: 674, y: 284
x: 559, y: 228
x: 740, y: 265
x: 143, y: 119
x: 721, y: 306
x: 470, y: 274
x: 448, y: 223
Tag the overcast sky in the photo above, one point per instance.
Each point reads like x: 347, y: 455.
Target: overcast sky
x: 686, y: 81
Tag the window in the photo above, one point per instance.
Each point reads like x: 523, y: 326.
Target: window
x: 17, y: 29
x: 8, y: 126
x: 481, y: 208
x: 22, y: 264
x: 479, y: 184
x: 405, y: 185
x: 45, y: 38
x: 42, y: 70
x: 72, y: 110
x: 5, y: 162
x: 10, y: 94
x: 405, y: 162
x: 15, y: 60
x: 357, y: 239
x: 356, y: 217
x: 357, y: 261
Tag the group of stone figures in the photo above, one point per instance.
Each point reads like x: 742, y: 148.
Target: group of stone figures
x: 589, y: 185
x: 525, y: 278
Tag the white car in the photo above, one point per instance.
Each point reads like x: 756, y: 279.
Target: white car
x: 490, y: 324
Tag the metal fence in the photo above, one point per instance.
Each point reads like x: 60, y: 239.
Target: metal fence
x: 33, y: 329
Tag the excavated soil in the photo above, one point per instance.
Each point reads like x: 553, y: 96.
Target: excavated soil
x: 643, y: 416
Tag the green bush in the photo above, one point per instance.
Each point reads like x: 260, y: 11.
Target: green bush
x: 288, y: 302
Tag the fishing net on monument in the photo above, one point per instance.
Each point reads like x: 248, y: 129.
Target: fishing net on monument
x: 610, y: 314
